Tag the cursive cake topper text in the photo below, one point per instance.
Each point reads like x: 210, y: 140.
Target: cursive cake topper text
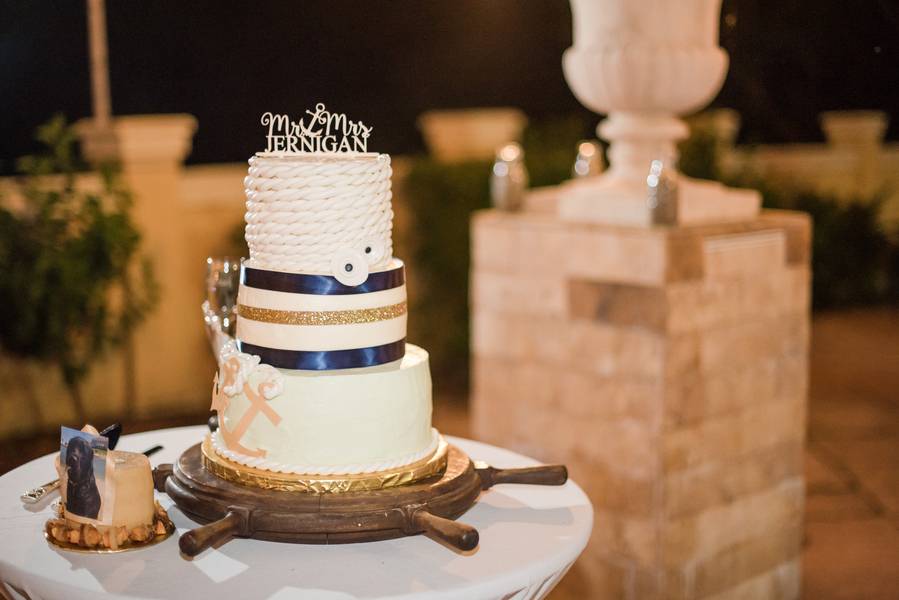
x: 321, y: 131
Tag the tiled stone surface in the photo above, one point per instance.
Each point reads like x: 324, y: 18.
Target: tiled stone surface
x: 667, y: 368
x: 740, y: 254
x: 597, y: 575
x: 772, y: 512
x: 618, y: 304
x: 780, y: 583
x: 743, y: 342
x: 831, y: 508
x: 501, y: 292
x: 851, y: 559
x: 746, y: 560
x: 718, y: 482
x: 633, y: 538
x: 822, y: 478
x: 615, y: 491
x: 852, y: 519
x: 734, y: 436
x: 798, y: 233
x: 874, y: 462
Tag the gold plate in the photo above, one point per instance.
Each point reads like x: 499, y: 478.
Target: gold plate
x: 169, y: 530
x: 324, y: 484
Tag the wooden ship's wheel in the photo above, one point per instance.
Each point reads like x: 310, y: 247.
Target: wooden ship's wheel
x: 230, y: 502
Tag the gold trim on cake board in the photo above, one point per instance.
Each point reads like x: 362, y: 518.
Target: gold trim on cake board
x: 218, y: 465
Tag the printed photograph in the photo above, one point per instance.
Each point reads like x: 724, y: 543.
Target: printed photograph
x: 84, y: 458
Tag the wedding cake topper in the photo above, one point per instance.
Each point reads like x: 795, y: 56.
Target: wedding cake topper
x: 320, y: 131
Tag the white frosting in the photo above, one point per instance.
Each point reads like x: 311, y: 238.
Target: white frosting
x: 219, y: 446
x: 341, y: 421
x: 304, y: 210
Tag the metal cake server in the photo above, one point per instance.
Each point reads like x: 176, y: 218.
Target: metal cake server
x: 35, y: 495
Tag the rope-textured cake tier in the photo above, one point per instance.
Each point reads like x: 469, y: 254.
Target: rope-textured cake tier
x: 302, y: 211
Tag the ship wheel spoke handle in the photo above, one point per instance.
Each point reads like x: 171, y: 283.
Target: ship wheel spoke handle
x: 160, y: 474
x: 458, y: 535
x: 540, y: 475
x: 235, y: 523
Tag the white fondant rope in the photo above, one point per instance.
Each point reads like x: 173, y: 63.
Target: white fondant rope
x: 218, y: 444
x: 302, y: 210
x: 327, y: 221
x: 301, y: 197
x: 284, y: 235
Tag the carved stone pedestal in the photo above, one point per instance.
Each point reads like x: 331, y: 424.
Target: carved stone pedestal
x: 667, y: 367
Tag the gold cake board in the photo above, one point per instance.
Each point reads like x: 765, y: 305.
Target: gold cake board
x: 235, y: 472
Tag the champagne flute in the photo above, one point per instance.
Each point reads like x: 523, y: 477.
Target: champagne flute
x: 220, y: 307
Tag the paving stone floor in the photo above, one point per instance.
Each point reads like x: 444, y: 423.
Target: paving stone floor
x: 851, y: 547
x: 852, y: 458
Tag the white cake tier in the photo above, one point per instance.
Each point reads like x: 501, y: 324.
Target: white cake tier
x: 316, y: 213
x: 336, y: 422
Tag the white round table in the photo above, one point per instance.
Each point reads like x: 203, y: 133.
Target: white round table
x: 530, y: 536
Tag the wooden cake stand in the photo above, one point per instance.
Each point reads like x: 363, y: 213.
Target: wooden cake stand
x: 198, y: 484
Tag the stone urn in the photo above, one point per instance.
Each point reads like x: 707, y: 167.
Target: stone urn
x: 644, y: 63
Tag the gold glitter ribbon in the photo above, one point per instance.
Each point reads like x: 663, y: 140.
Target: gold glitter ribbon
x: 322, y: 317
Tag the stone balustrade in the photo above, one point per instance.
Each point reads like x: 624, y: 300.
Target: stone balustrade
x: 854, y: 163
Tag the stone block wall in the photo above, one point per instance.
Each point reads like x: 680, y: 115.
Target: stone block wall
x: 667, y: 367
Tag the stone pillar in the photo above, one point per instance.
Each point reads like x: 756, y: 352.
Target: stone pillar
x: 667, y: 367
x: 152, y: 149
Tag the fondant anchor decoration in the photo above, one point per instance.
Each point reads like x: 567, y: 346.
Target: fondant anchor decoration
x: 232, y: 379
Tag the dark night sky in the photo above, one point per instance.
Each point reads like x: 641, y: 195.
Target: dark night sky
x: 384, y: 62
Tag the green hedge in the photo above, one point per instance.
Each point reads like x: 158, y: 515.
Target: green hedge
x: 441, y: 199
x: 74, y: 281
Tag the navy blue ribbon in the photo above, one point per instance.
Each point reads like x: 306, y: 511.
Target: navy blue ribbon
x: 325, y: 360
x: 324, y: 285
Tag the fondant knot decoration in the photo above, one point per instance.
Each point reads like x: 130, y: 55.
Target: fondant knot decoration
x: 232, y: 379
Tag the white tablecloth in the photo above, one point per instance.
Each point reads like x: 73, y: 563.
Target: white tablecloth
x: 530, y: 535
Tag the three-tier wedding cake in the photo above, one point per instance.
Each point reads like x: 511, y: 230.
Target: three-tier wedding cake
x: 320, y: 379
